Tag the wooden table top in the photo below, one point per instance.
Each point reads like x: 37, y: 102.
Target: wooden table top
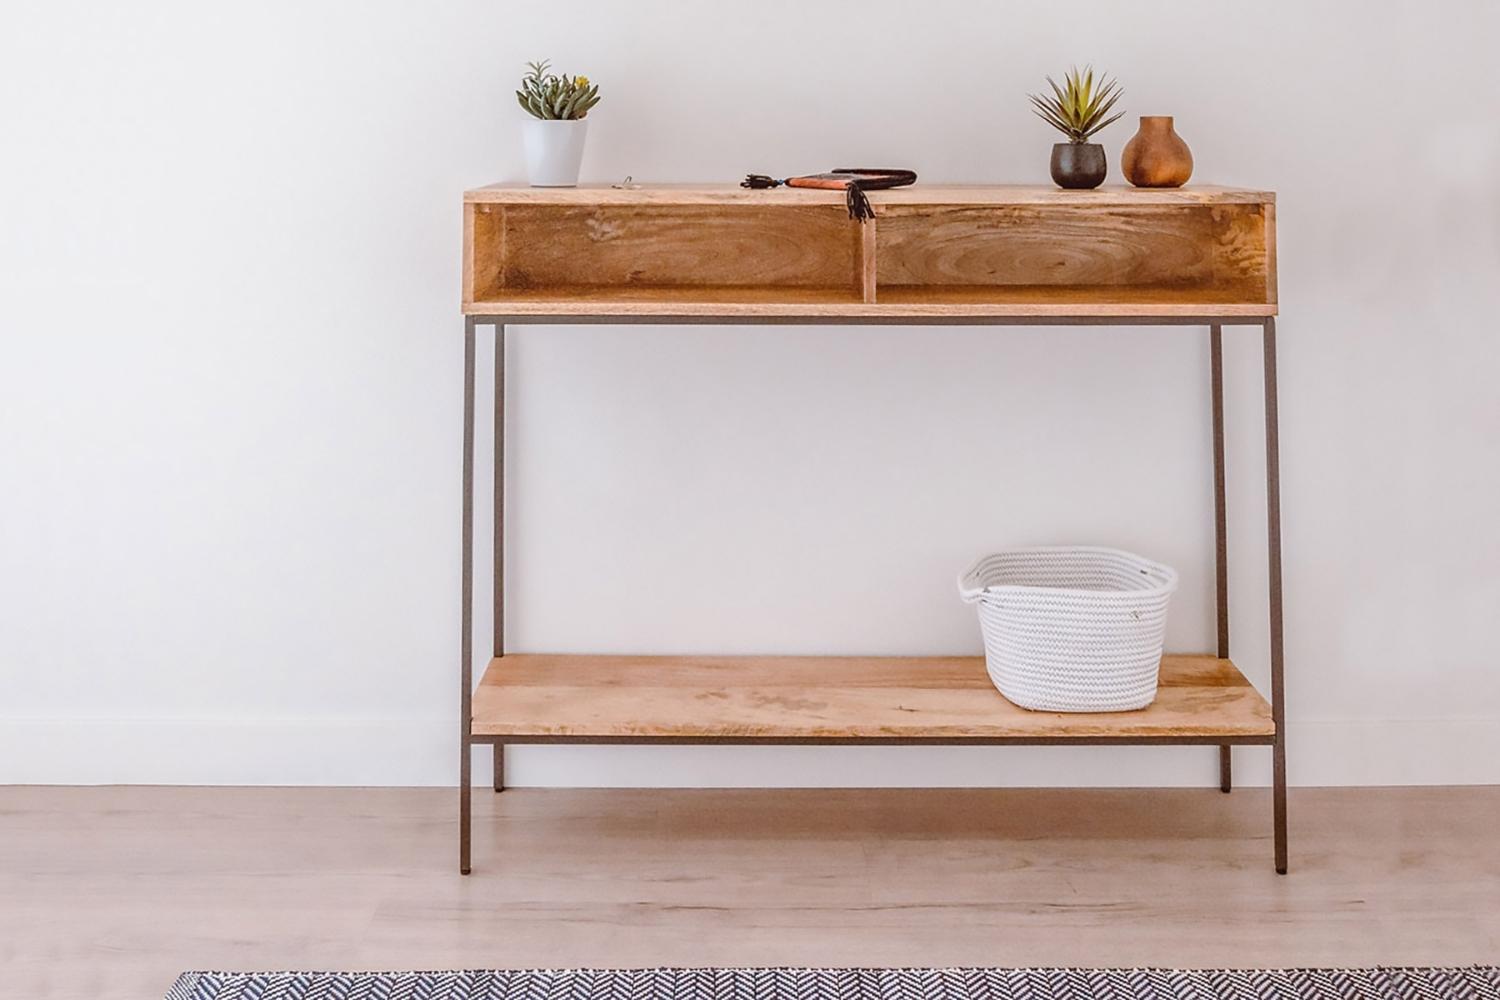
x: 916, y: 194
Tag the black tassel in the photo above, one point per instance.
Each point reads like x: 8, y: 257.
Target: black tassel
x: 859, y: 206
x: 759, y: 181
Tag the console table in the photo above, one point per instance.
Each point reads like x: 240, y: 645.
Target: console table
x: 1199, y: 256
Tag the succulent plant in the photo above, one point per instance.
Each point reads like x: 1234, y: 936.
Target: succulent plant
x: 554, y: 97
x: 1078, y: 108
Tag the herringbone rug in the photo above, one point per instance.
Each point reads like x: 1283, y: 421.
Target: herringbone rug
x: 1478, y: 983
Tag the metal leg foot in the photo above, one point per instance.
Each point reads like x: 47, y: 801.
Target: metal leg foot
x: 465, y: 819
x: 1226, y: 769
x: 1280, y: 820
x: 499, y: 767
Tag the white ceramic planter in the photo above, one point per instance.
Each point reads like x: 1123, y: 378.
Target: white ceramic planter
x: 554, y: 151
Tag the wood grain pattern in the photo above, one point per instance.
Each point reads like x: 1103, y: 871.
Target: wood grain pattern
x: 949, y: 253
x: 893, y: 304
x: 560, y: 247
x: 1195, y: 250
x: 919, y: 194
x: 108, y: 893
x: 484, y: 250
x: 1272, y: 292
x: 815, y: 697
x: 866, y: 235
x: 467, y: 267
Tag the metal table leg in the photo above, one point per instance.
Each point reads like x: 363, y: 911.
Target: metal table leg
x: 1273, y: 542
x: 466, y: 636
x: 1221, y: 523
x: 497, y: 643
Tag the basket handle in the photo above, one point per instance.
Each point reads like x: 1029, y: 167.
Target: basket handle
x: 973, y: 594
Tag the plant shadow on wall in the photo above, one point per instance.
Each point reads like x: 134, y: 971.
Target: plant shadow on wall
x: 558, y: 105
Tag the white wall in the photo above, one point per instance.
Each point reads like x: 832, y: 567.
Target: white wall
x: 230, y: 380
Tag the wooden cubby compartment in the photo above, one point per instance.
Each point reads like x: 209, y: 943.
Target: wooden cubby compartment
x: 796, y: 253
x: 1182, y: 254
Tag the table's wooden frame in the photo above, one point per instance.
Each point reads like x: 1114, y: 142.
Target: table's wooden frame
x: 1075, y: 730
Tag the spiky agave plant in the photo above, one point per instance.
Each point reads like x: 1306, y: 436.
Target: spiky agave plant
x: 1078, y: 108
x: 554, y: 97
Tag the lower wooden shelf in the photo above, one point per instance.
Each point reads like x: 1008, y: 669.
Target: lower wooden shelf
x: 565, y: 698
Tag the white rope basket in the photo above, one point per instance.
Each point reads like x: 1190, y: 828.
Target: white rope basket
x: 1072, y: 629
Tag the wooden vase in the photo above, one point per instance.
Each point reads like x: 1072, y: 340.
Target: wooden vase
x: 1156, y: 156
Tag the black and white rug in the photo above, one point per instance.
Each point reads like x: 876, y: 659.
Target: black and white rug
x: 1477, y: 983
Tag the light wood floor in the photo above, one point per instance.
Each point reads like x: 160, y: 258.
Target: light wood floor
x: 108, y: 892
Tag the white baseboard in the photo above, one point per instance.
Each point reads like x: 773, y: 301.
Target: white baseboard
x: 416, y: 752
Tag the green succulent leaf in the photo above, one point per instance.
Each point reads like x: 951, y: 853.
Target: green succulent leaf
x: 552, y: 96
x: 1081, y: 106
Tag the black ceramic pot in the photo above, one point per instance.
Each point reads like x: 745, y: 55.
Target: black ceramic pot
x: 1078, y: 164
